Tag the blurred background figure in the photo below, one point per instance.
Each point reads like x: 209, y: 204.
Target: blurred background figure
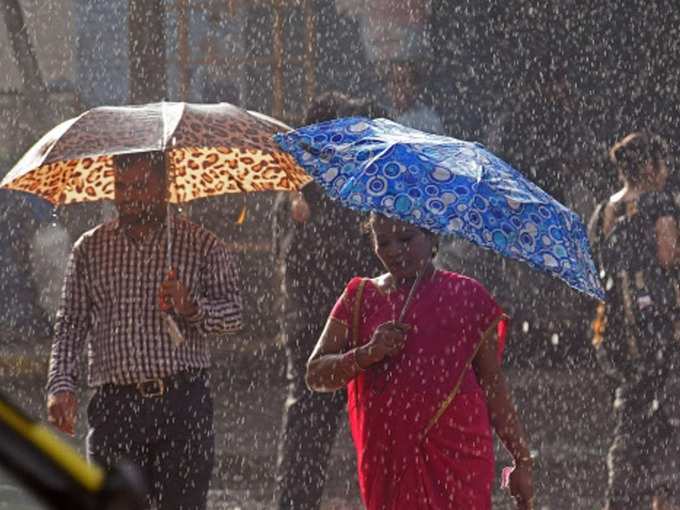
x: 634, y: 234
x: 405, y: 95
x: 391, y: 30
x: 313, y: 249
x: 538, y: 130
x: 396, y: 37
x: 25, y: 223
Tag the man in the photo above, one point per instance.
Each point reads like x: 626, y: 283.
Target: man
x: 147, y: 332
x: 634, y: 235
x: 317, y: 260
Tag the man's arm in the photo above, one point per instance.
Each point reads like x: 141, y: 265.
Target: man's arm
x: 72, y: 327
x: 219, y: 306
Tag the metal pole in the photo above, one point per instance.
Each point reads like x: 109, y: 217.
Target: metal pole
x: 277, y: 64
x: 146, y: 50
x: 310, y: 50
x: 183, y: 43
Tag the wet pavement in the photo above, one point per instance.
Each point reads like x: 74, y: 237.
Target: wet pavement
x: 566, y: 413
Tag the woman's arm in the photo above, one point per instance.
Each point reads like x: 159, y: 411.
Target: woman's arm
x: 501, y: 409
x: 504, y: 418
x: 330, y: 368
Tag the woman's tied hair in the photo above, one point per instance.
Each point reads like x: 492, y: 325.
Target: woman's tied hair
x: 631, y: 153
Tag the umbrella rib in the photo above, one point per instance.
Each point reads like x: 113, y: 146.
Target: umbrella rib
x: 354, y: 178
x: 169, y: 129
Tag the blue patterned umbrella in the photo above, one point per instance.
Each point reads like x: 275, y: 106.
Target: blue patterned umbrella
x: 448, y: 186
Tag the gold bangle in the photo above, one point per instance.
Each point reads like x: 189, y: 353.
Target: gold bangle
x: 353, y: 355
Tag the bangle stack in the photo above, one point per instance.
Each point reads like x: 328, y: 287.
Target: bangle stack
x: 524, y: 459
x: 352, y: 356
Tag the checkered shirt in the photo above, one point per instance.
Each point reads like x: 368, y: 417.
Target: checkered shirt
x: 110, y: 303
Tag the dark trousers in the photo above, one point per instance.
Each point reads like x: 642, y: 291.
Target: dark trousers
x: 170, y: 437
x: 644, y: 458
x: 310, y: 421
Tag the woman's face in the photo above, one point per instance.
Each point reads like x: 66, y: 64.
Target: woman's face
x: 403, y: 249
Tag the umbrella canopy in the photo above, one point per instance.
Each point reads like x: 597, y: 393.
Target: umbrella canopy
x: 211, y: 149
x: 448, y: 186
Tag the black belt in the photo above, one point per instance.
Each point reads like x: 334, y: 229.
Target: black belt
x: 159, y: 386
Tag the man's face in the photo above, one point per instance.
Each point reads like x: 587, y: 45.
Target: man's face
x: 139, y: 194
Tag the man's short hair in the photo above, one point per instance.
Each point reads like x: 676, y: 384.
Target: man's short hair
x: 154, y: 159
x: 632, y: 152
x: 362, y: 107
x: 325, y: 107
x: 332, y: 105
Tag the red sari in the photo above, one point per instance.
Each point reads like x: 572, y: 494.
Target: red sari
x: 407, y: 458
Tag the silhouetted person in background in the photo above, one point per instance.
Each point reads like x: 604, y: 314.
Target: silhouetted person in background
x: 635, y: 235
x: 316, y: 266
x: 21, y: 216
x: 406, y: 104
x: 541, y: 133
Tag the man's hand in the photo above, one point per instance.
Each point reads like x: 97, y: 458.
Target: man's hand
x: 175, y: 296
x: 61, y: 411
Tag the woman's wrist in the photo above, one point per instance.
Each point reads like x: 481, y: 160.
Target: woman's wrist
x: 351, y: 366
x: 524, y: 459
x: 362, y: 357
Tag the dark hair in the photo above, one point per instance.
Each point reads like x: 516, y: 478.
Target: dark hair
x: 362, y: 107
x: 332, y: 105
x: 632, y: 152
x: 373, y: 216
x: 325, y: 107
x: 154, y: 159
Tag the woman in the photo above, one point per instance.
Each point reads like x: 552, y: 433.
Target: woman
x: 424, y: 391
x: 635, y: 238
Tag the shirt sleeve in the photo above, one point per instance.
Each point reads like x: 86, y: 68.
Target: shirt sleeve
x: 219, y: 303
x: 72, y: 325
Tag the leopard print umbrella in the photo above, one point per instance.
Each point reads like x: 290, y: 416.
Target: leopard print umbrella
x: 211, y: 149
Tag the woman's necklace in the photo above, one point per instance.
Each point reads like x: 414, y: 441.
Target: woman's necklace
x: 427, y: 272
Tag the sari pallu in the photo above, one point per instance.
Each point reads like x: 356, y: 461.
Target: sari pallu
x: 408, y: 456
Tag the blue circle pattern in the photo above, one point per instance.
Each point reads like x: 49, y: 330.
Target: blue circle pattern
x: 449, y: 186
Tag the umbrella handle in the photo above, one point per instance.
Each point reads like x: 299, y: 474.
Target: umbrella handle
x: 169, y: 179
x: 411, y: 293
